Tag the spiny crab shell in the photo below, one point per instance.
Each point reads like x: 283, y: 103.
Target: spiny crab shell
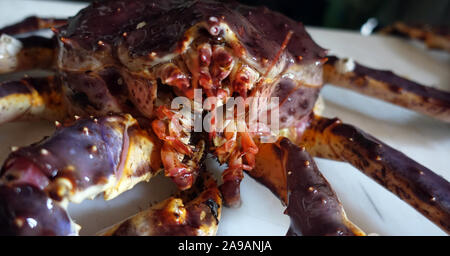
x: 185, y: 44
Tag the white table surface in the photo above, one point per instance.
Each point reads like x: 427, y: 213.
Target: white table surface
x: 367, y: 204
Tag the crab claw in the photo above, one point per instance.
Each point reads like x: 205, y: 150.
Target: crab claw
x: 312, y: 205
x: 27, y: 210
x: 176, y: 216
x: 80, y: 160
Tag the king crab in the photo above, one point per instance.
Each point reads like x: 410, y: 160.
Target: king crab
x: 117, y: 70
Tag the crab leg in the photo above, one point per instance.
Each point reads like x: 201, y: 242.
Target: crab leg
x: 389, y: 87
x: 31, y: 24
x: 31, y: 98
x: 426, y: 191
x: 33, y: 52
x: 177, y: 216
x: 433, y: 37
x: 291, y: 173
x: 81, y: 160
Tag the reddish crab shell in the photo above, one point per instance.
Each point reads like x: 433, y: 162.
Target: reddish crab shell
x: 125, y: 41
x: 110, y: 62
x: 135, y: 27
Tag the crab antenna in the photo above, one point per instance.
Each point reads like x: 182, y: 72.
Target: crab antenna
x: 286, y: 40
x: 280, y: 51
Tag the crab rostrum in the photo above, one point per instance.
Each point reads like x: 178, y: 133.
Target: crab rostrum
x: 118, y: 65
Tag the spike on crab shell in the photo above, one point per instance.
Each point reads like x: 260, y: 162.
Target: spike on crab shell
x: 66, y: 41
x: 141, y: 25
x: 76, y: 117
x: 58, y: 124
x: 19, y: 222
x: 44, y: 152
x: 70, y: 168
x: 14, y: 148
x: 93, y: 149
x: 85, y: 130
x: 306, y: 163
x: 54, y: 30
